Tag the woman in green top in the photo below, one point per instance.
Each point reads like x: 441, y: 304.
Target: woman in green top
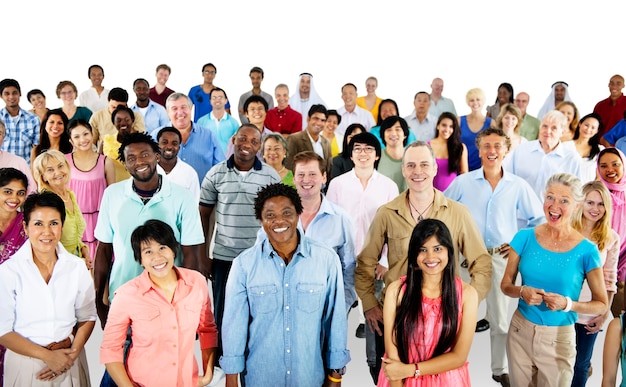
x: 275, y: 154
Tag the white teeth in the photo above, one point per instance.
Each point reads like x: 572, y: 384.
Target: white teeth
x: 281, y: 229
x: 159, y: 267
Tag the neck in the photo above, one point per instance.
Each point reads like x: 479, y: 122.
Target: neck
x: 243, y: 165
x: 422, y: 198
x: 143, y: 104
x: 350, y: 108
x: 149, y: 185
x: 547, y: 148
x: 312, y: 204
x: 7, y: 216
x: 314, y: 136
x: 286, y: 250
x: 168, y: 165
x: 256, y: 90
x: 364, y: 174
x: 304, y: 95
x: 493, y: 172
x: 420, y: 116
x: 167, y: 282
x: 558, y: 232
x: 219, y: 113
x: 13, y: 111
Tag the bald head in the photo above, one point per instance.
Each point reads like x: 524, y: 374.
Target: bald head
x: 437, y: 87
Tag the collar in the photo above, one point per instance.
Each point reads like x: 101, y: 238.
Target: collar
x: 165, y: 190
x: 268, y: 252
x: 145, y: 284
x: 230, y: 163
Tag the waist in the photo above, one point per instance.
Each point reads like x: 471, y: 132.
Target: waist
x: 494, y: 250
x: 63, y: 344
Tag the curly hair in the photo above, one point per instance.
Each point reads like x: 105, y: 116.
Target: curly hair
x: 274, y: 190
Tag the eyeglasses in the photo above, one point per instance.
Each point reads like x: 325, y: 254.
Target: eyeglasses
x: 217, y: 97
x: 208, y: 72
x: 367, y: 150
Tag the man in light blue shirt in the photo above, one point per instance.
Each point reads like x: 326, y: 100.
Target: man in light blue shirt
x: 421, y: 123
x: 438, y: 103
x: 284, y: 303
x: 500, y: 203
x: 222, y: 124
x: 154, y: 115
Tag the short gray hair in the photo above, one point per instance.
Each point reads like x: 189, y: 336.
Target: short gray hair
x: 175, y: 97
x: 417, y: 144
x: 568, y: 180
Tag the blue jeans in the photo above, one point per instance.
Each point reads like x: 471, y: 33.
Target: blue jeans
x: 584, y: 350
x: 221, y: 269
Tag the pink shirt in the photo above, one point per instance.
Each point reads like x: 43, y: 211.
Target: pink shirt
x: 163, y: 333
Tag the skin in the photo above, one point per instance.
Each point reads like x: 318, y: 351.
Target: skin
x: 394, y: 136
x: 348, y: 95
x: 509, y: 122
x: 422, y: 104
x: 113, y: 104
x: 12, y: 197
x: 432, y: 260
x: 162, y: 76
x: 169, y: 144
x: 44, y: 232
x: 11, y: 97
x: 521, y: 101
x: 436, y: 88
x: 218, y: 102
x: 54, y: 128
x: 305, y: 86
x: 315, y: 125
x: 387, y: 110
x: 611, y: 353
x: 282, y: 97
x: 363, y: 156
x: 142, y: 91
x: 84, y: 156
x: 123, y: 123
x: 559, y: 93
x: 550, y: 132
x: 179, y: 113
x: 611, y: 168
x: 503, y: 96
x: 445, y: 129
x: 309, y: 180
x: 256, y: 114
x: 96, y: 76
x: 616, y: 84
x: 329, y: 128
x: 274, y: 153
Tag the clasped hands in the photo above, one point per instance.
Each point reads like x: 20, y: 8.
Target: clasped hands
x: 57, y: 361
x: 533, y: 297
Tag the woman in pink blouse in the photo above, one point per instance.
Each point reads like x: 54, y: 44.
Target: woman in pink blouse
x: 163, y: 296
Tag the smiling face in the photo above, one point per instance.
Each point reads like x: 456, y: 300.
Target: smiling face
x: 55, y: 126
x: 593, y: 207
x: 550, y: 132
x: 588, y: 128
x: 371, y: 85
x: 305, y: 86
x: 208, y: 73
x: 316, y: 123
x: 308, y: 179
x: 282, y: 97
x: 445, y: 128
x: 81, y: 138
x: 280, y: 220
x: 273, y: 152
x: 56, y: 173
x: 509, y: 122
x: 433, y: 257
x: 179, y: 113
x: 348, y: 95
x: 331, y: 124
x: 419, y: 168
x: 123, y: 122
x: 503, y: 95
x: 142, y: 91
x: 387, y: 109
x: 521, y: 101
x: 157, y: 259
x: 141, y: 161
x: 559, y: 93
x: 67, y: 93
x: 394, y: 136
x: 44, y: 229
x: 11, y: 97
x: 616, y: 84
x: 162, y: 76
x: 256, y: 114
x: 12, y: 196
x: 247, y: 143
x: 476, y: 104
x: 569, y: 112
x: 363, y: 156
x: 256, y: 78
x: 218, y: 100
x: 559, y: 205
x: 611, y: 168
x: 38, y: 101
x: 492, y: 150
x: 96, y: 76
x: 169, y: 144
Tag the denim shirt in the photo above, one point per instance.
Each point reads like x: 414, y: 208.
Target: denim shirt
x: 284, y: 324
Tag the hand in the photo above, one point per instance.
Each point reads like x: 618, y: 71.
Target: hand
x: 380, y: 271
x: 328, y: 383
x: 504, y: 250
x: 205, y: 379
x: 58, y: 361
x: 532, y: 296
x: 208, y: 268
x: 596, y: 323
x: 395, y: 370
x: 555, y: 301
x: 373, y: 317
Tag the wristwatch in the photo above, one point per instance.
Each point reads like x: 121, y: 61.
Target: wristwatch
x: 340, y: 371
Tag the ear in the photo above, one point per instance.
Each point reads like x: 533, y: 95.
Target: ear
x: 324, y: 177
x: 25, y: 228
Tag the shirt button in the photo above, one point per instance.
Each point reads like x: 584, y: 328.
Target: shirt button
x: 286, y: 285
x: 287, y: 307
x: 288, y: 372
x: 174, y: 327
x: 289, y: 351
x: 174, y: 364
x: 262, y: 292
x: 287, y: 329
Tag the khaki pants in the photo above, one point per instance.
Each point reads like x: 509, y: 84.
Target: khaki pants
x: 540, y: 355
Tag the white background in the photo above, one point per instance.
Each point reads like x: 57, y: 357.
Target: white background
x: 405, y: 45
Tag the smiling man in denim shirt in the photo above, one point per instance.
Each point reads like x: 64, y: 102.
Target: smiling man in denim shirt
x: 285, y: 322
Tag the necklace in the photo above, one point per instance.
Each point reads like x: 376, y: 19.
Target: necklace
x: 421, y: 214
x: 282, y: 170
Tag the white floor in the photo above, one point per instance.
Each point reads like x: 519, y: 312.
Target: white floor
x: 357, y: 374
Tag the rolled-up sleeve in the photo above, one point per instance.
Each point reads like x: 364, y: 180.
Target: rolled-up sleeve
x: 118, y: 321
x: 207, y: 330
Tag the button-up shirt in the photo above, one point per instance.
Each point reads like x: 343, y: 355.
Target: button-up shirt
x: 22, y: 133
x: 425, y: 130
x: 496, y: 210
x: 356, y: 116
x: 286, y: 323
x: 162, y: 331
x: 154, y: 115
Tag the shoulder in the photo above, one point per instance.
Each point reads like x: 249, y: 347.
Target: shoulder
x: 469, y: 293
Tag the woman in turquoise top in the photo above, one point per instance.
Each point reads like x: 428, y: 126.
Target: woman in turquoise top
x: 387, y: 108
x: 614, y: 352
x: 274, y: 154
x: 553, y: 260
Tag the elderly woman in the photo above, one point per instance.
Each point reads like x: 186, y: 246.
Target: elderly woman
x: 52, y: 173
x: 274, y: 149
x: 162, y: 294
x: 553, y: 260
x: 537, y: 160
x: 47, y: 308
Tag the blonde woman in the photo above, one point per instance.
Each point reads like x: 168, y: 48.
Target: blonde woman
x: 593, y: 220
x: 52, y: 173
x: 472, y: 124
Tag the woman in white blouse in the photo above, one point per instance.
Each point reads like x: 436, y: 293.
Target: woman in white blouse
x: 47, y: 308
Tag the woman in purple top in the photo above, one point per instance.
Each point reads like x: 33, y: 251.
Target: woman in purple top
x: 13, y: 185
x: 450, y: 152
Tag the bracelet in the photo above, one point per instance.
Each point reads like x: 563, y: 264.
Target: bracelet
x: 520, y: 292
x: 568, y: 306
x: 332, y: 379
x: 417, y: 372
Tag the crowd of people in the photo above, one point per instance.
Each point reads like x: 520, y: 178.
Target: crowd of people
x: 298, y: 215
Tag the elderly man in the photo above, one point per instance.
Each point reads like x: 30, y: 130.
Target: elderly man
x: 393, y: 224
x: 438, y: 103
x: 283, y: 119
x: 284, y: 304
x: 499, y: 202
x: 530, y: 124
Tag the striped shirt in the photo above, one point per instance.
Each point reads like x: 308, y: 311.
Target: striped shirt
x: 232, y: 192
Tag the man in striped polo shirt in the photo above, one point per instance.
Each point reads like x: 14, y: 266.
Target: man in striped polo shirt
x: 230, y: 188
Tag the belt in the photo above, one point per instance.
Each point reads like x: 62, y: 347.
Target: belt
x: 493, y: 250
x: 63, y: 344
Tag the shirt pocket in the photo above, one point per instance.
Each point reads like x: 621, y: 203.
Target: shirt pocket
x: 398, y: 244
x: 310, y: 296
x: 263, y: 299
x: 146, y: 324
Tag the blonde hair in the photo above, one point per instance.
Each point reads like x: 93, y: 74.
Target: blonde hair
x: 475, y: 93
x: 574, y: 124
x: 600, y: 232
x: 509, y: 108
x: 39, y: 166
